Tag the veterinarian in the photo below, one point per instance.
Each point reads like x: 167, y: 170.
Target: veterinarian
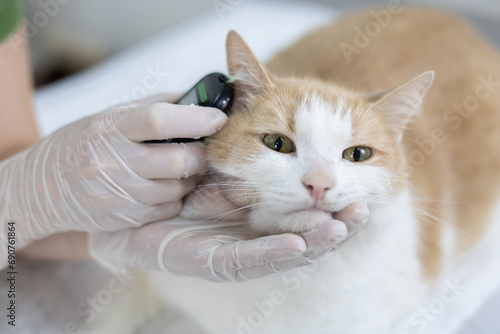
x: 94, y: 190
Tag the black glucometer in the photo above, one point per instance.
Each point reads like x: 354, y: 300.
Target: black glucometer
x: 213, y: 90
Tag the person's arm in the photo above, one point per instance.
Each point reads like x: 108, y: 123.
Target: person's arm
x: 18, y: 131
x: 18, y: 128
x: 68, y: 246
x: 17, y: 124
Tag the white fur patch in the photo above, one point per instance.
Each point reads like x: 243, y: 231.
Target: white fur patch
x: 322, y: 130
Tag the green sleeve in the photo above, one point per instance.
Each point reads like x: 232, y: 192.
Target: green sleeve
x: 10, y: 15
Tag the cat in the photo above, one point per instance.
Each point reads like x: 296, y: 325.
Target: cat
x: 328, y: 124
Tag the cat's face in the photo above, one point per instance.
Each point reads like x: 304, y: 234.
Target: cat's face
x: 306, y: 149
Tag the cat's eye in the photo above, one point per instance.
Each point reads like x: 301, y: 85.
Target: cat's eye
x: 357, y: 153
x: 279, y: 143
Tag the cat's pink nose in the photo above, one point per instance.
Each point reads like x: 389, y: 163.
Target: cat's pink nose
x: 318, y: 186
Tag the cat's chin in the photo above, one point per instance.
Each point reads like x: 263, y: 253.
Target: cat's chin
x: 304, y: 220
x: 296, y: 221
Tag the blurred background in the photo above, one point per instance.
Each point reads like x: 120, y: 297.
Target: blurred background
x: 70, y: 35
x: 104, y: 49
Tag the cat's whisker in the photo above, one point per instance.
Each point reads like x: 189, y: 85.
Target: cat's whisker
x: 460, y: 234
x: 379, y: 200
x: 370, y: 91
x: 462, y: 240
x: 245, y: 189
x: 426, y: 216
x: 417, y: 199
x: 279, y: 65
x: 227, y: 186
x: 227, y: 198
x: 227, y: 215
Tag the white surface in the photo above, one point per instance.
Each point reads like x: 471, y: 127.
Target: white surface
x: 195, y: 48
x: 478, y: 276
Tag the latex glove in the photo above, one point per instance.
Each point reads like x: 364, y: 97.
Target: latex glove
x: 96, y: 174
x: 218, y: 252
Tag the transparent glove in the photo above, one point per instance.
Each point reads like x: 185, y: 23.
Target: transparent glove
x: 222, y: 251
x: 97, y: 174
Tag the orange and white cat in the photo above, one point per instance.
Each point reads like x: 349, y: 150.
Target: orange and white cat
x: 322, y: 129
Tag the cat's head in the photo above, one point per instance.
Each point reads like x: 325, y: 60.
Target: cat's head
x: 305, y: 149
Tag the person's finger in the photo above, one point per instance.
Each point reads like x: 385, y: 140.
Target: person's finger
x: 319, y: 241
x: 324, y: 238
x: 355, y: 214
x: 236, y: 260
x: 164, y: 121
x: 272, y: 267
x: 157, y: 212
x: 156, y: 98
x: 169, y: 161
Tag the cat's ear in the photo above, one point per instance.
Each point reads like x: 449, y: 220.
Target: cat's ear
x: 403, y: 102
x: 249, y: 75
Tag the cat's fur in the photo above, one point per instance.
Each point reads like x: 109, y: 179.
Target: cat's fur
x: 424, y: 207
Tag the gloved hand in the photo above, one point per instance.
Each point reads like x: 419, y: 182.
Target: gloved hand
x: 96, y: 174
x: 222, y: 251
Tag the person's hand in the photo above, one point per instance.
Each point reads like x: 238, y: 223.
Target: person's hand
x: 226, y: 251
x: 97, y: 174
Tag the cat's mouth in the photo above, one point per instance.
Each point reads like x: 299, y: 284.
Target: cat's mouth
x: 308, y: 218
x: 330, y: 209
x: 312, y: 211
